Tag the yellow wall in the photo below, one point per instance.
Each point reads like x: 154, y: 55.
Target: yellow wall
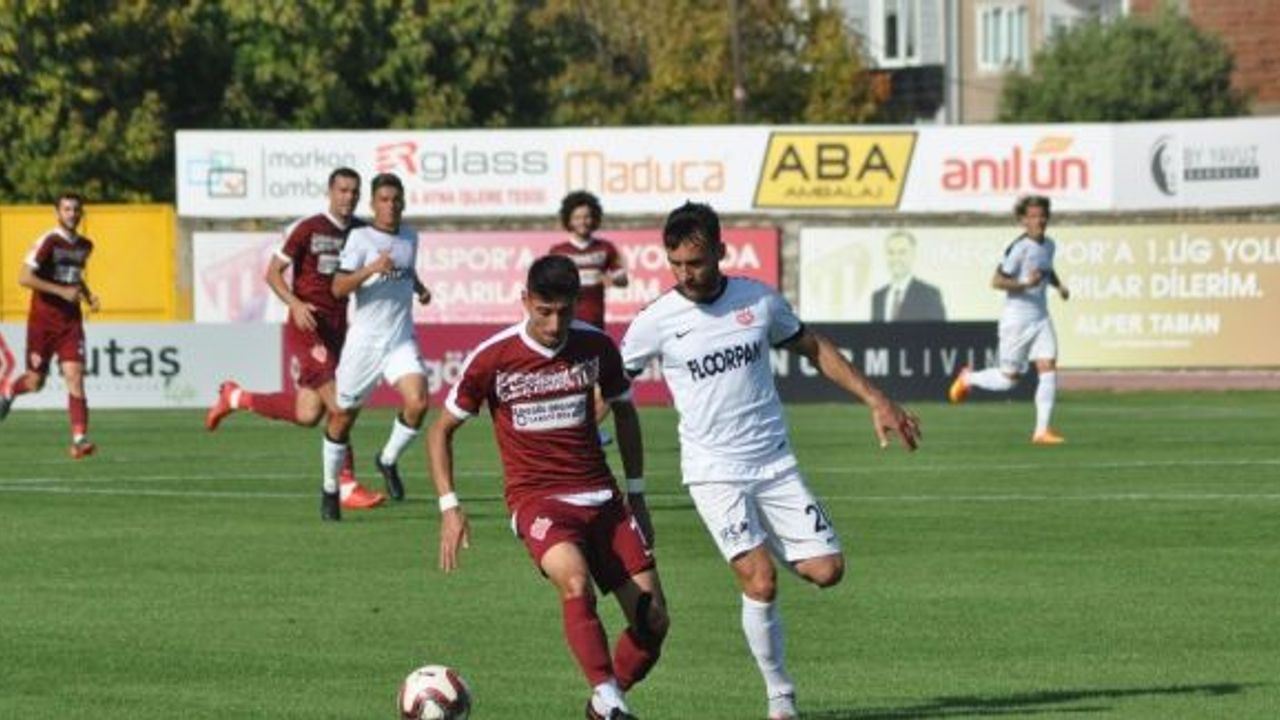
x: 133, y: 268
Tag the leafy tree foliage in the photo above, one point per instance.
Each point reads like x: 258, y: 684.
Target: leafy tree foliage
x: 94, y: 89
x: 1132, y: 69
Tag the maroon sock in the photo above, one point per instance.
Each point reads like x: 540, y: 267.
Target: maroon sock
x: 78, y: 409
x: 277, y: 406
x: 634, y: 657
x: 585, y: 634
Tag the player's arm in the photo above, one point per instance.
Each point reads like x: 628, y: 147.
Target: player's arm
x: 27, y: 278
x: 1056, y: 281
x: 346, y: 282
x: 455, y: 532
x: 420, y: 290
x: 886, y: 415
x: 303, y: 313
x: 626, y: 425
x: 89, y: 297
x: 617, y: 273
x: 1003, y: 281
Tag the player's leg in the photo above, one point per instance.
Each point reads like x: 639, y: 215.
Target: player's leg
x: 354, y: 496
x: 315, y: 364
x: 1044, y: 352
x: 1016, y: 337
x: 77, y: 409
x: 554, y: 533
x: 357, y: 373
x: 405, y: 372
x: 623, y: 564
x: 27, y: 382
x: 732, y: 516
x: 40, y: 350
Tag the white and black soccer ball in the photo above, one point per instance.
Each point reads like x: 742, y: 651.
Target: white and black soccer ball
x: 434, y: 692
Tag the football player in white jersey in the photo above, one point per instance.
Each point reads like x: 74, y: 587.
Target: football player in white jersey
x: 711, y: 334
x: 377, y: 265
x: 1026, y: 331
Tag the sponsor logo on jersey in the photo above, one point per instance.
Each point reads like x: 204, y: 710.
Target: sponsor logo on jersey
x: 557, y: 414
x: 538, y: 530
x: 834, y: 170
x: 724, y: 360
x: 511, y: 386
x: 326, y: 244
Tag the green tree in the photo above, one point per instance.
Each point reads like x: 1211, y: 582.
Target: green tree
x: 91, y: 91
x: 1132, y: 69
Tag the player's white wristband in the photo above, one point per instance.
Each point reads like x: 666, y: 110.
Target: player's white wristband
x: 635, y: 486
x: 448, y: 501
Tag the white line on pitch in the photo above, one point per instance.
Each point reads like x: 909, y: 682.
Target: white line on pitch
x: 1060, y: 466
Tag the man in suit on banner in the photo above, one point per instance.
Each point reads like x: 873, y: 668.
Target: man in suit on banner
x: 905, y: 298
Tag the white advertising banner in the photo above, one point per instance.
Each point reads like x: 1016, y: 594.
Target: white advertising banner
x: 742, y: 169
x: 469, y: 172
x: 986, y: 169
x: 162, y: 365
x: 1198, y: 164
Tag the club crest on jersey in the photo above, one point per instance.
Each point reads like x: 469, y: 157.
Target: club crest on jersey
x: 745, y: 316
x: 319, y: 353
x: 538, y: 530
x: 36, y: 360
x: 724, y: 360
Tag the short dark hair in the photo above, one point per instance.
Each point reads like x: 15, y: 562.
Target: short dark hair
x: 382, y: 180
x: 692, y: 222
x: 554, y: 277
x: 67, y: 195
x: 577, y: 199
x: 1029, y: 201
x: 344, y: 172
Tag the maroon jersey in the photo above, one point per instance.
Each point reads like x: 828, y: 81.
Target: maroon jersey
x: 541, y: 401
x: 598, y: 260
x: 57, y: 257
x: 312, y: 245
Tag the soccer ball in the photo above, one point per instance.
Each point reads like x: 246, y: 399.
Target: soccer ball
x: 434, y: 692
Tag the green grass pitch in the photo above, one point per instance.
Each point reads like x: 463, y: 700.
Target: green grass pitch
x: 1132, y: 573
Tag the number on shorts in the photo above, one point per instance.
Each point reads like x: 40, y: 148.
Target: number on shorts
x: 821, y: 523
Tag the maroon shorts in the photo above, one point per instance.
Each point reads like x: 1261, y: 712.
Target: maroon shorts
x: 608, y: 536
x: 313, y: 356
x: 46, y: 339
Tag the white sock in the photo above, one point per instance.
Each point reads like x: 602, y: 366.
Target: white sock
x: 606, y: 696
x: 763, y: 628
x: 401, y: 436
x: 991, y: 379
x: 234, y: 400
x: 1046, y: 391
x: 334, y: 455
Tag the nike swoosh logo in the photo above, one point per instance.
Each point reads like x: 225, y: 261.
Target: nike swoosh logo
x: 682, y: 334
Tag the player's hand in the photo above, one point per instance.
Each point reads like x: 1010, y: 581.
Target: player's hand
x: 70, y: 293
x: 1064, y: 292
x: 424, y: 295
x: 640, y: 511
x: 303, y: 314
x: 383, y: 264
x: 890, y: 418
x: 455, y: 533
x: 94, y: 305
x: 1033, y: 278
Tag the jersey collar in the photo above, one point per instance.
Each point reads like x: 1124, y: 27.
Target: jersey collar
x: 724, y: 285
x: 66, y: 234
x: 336, y: 222
x: 579, y: 243
x: 536, y: 346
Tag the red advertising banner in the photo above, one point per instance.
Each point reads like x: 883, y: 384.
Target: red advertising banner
x: 445, y: 347
x: 476, y: 277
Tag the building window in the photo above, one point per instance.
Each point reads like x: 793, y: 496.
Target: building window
x: 895, y: 32
x: 1003, y: 39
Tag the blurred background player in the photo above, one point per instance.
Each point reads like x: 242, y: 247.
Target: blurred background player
x: 54, y: 271
x: 539, y: 379
x: 316, y: 328
x: 598, y: 262
x: 1026, y: 331
x: 377, y: 265
x: 712, y: 334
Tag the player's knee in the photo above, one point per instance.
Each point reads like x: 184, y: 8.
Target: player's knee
x: 415, y: 408
x: 310, y: 416
x: 36, y: 381
x: 827, y: 573
x: 652, y: 620
x: 576, y: 586
x: 761, y: 587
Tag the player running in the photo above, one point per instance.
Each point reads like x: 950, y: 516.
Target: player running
x: 1026, y: 330
x: 538, y: 379
x: 54, y: 271
x: 317, y: 327
x: 712, y: 334
x: 377, y: 265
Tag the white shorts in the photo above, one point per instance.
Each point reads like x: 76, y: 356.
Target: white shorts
x: 779, y: 511
x: 1023, y: 340
x: 361, y: 367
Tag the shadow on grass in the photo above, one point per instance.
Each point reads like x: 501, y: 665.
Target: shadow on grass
x: 1022, y: 704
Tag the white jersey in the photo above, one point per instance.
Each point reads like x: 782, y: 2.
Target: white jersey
x: 384, y: 303
x: 715, y: 359
x: 1023, y: 256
